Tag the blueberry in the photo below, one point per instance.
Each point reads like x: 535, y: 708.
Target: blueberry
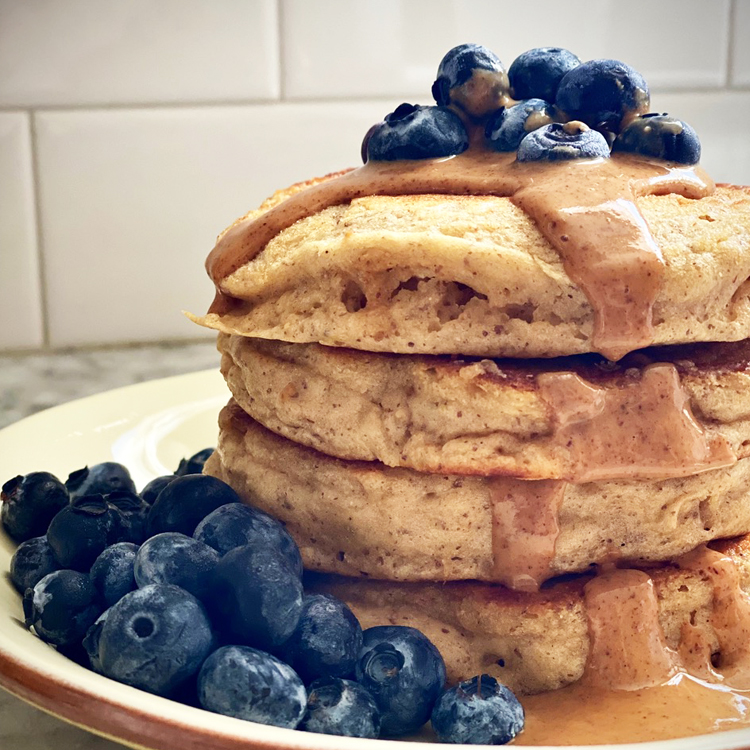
x: 236, y: 524
x: 326, y: 641
x: 472, y: 78
x: 416, y: 132
x: 33, y: 560
x: 603, y: 93
x: 80, y: 532
x: 184, y: 503
x: 29, y: 503
x: 341, y: 707
x: 661, y: 137
x: 151, y: 491
x: 155, y: 638
x: 75, y: 652
x: 479, y: 711
x: 248, y: 684
x: 112, y: 572
x: 91, y: 641
x: 256, y: 597
x: 100, y: 479
x: 133, y: 512
x: 536, y: 74
x: 194, y: 464
x: 507, y: 127
x: 404, y: 673
x: 62, y: 607
x: 175, y: 558
x: 556, y: 142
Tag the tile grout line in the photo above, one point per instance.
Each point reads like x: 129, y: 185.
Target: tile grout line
x: 327, y: 100
x: 281, y: 48
x: 730, y: 43
x: 42, y: 275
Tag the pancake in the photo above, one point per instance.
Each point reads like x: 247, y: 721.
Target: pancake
x: 361, y: 518
x: 531, y: 642
x: 474, y: 275
x: 463, y: 416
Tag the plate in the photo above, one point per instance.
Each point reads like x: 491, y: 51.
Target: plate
x: 149, y: 427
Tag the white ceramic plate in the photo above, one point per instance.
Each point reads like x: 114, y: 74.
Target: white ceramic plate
x: 150, y: 427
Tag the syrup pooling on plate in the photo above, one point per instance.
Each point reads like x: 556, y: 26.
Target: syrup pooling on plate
x: 635, y: 687
x: 585, y: 208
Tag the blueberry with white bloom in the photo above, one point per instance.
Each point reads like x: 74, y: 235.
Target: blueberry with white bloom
x: 235, y: 525
x: 113, y: 572
x: 91, y: 641
x: 248, y: 684
x: 100, y: 479
x: 536, y: 74
x: 194, y: 464
x: 326, y: 641
x: 256, y: 598
x: 178, y: 559
x: 471, y: 78
x: 507, y: 127
x: 660, y: 137
x: 30, y: 502
x: 341, y: 707
x: 603, y: 94
x: 404, y: 673
x: 133, y: 512
x: 184, y: 503
x: 33, y: 560
x: 151, y: 491
x: 560, y: 142
x: 155, y: 638
x: 412, y: 131
x: 81, y: 531
x: 479, y: 711
x: 62, y: 607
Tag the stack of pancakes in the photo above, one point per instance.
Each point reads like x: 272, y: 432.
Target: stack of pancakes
x: 419, y: 397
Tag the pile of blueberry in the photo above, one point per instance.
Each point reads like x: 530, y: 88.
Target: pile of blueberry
x: 547, y: 106
x: 183, y: 591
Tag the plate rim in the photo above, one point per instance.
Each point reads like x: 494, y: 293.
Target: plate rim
x: 160, y: 724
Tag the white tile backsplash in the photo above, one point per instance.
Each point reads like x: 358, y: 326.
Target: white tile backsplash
x: 159, y: 121
x: 132, y: 201
x: 741, y: 43
x: 134, y: 51
x: 722, y: 120
x: 20, y: 293
x: 341, y: 48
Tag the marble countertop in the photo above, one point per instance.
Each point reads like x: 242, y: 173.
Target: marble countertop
x: 32, y: 382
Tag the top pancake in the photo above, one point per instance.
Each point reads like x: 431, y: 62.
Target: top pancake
x: 473, y: 275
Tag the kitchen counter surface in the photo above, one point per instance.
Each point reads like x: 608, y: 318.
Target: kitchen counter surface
x: 30, y: 383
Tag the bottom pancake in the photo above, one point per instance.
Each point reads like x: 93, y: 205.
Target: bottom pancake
x: 361, y: 518
x: 535, y: 642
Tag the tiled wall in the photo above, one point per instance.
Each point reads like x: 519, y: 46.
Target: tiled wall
x: 132, y: 131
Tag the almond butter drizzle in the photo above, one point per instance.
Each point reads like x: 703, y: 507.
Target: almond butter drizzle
x: 524, y: 530
x: 585, y: 208
x: 634, y: 686
x: 628, y: 650
x: 640, y: 429
x: 730, y: 620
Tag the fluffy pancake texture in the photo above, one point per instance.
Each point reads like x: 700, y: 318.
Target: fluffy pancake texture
x: 473, y: 275
x: 365, y: 519
x: 531, y: 642
x: 458, y: 416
